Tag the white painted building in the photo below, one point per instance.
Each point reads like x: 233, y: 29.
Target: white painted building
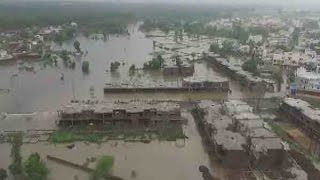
x: 4, y: 55
x: 308, y: 81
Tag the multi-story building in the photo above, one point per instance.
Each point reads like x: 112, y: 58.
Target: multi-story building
x: 238, y: 137
x: 122, y: 113
x: 308, y: 82
x: 302, y: 113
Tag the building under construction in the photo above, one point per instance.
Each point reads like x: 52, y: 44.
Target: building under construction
x: 121, y: 114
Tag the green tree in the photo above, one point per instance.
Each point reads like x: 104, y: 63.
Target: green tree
x: 16, y: 165
x: 76, y: 46
x: 3, y: 174
x: 291, y: 77
x: 65, y: 55
x: 295, y: 37
x: 251, y: 66
x: 277, y: 76
x: 132, y: 67
x: 103, y: 168
x: 114, y: 66
x: 35, y: 168
x: 132, y: 70
x: 155, y: 63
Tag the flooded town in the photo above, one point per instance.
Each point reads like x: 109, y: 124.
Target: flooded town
x: 159, y: 90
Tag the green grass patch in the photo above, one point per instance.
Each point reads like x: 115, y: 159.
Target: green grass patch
x: 66, y: 137
x: 315, y: 102
x: 281, y: 132
x: 168, y: 133
x: 103, y: 168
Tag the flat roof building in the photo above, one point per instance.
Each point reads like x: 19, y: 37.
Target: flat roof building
x: 121, y: 113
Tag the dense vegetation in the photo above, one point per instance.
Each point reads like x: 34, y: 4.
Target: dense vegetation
x: 161, y: 133
x: 16, y: 167
x: 251, y: 66
x: 93, y: 17
x: 35, y: 168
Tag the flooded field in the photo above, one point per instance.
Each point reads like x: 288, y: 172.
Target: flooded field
x: 149, y: 161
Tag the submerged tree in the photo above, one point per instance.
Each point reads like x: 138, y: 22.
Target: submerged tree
x: 85, y: 66
x: 155, y: 63
x: 64, y: 55
x: 35, y: 168
x: 76, y: 46
x: 132, y: 70
x: 16, y: 165
x: 114, y: 66
x: 3, y: 174
x: 103, y: 168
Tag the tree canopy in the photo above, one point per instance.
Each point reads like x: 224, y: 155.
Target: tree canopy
x: 251, y: 66
x: 16, y: 165
x: 35, y: 168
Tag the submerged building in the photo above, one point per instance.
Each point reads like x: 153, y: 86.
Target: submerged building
x: 171, y: 68
x: 228, y: 146
x: 201, y: 82
x: 122, y: 114
x: 303, y: 114
x: 238, y: 137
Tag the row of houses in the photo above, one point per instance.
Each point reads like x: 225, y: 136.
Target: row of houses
x: 120, y: 114
x: 238, y: 137
x: 303, y: 114
x: 235, y: 70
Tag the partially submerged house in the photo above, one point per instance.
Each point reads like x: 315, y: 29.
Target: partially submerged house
x: 196, y: 82
x: 122, y: 114
x: 239, y: 137
x: 303, y: 114
x: 171, y: 68
x: 228, y: 146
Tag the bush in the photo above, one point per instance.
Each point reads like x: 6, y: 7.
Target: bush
x: 103, y: 167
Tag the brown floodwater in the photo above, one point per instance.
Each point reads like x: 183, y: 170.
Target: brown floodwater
x: 42, y: 90
x: 157, y: 160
